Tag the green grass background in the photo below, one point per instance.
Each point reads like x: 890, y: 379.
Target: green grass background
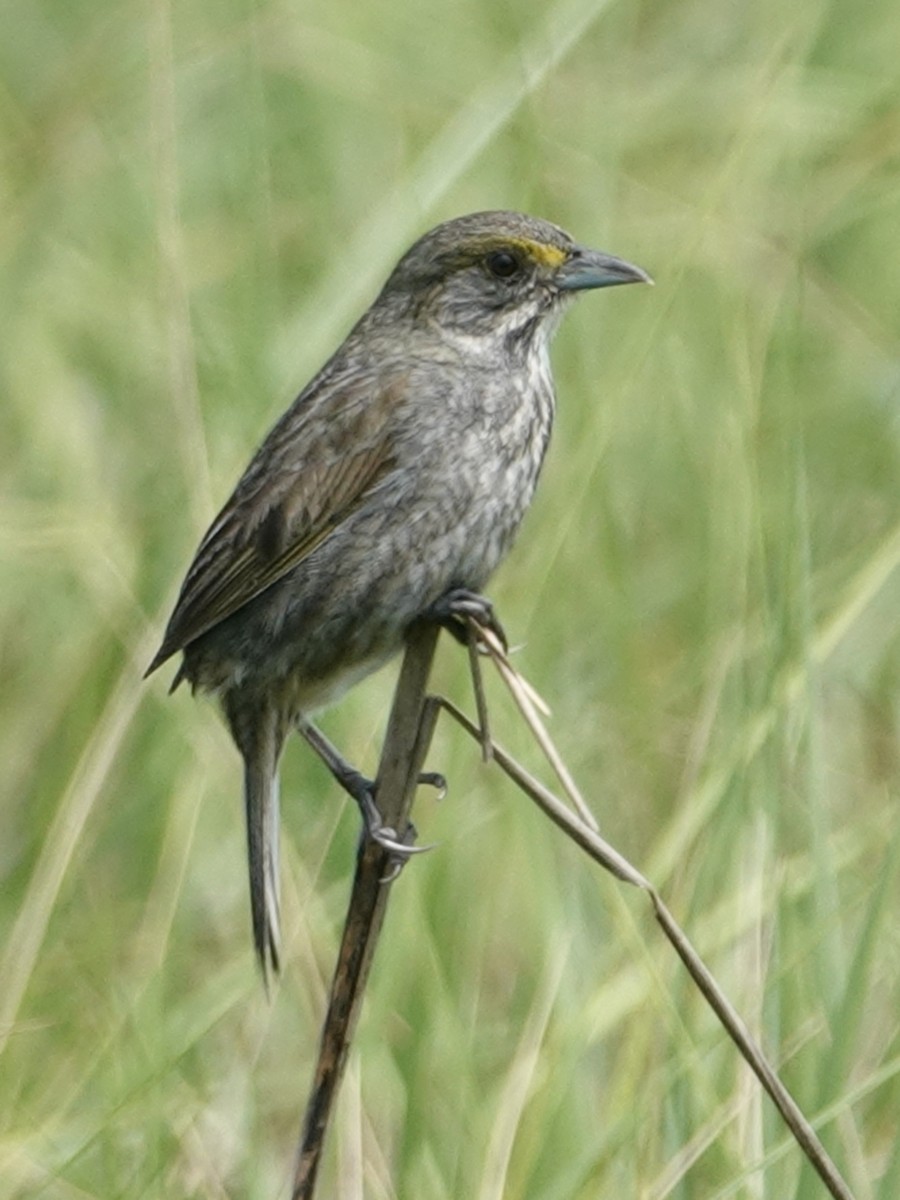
x: 196, y: 200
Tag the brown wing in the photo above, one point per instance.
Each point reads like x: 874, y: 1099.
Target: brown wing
x: 312, y: 471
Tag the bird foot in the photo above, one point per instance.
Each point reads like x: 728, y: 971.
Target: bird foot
x: 363, y: 792
x: 455, y: 607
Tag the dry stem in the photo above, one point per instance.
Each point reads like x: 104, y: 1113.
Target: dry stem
x: 405, y: 746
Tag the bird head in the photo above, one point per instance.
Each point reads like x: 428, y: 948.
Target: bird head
x: 503, y: 274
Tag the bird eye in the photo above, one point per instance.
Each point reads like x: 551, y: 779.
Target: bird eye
x: 502, y: 264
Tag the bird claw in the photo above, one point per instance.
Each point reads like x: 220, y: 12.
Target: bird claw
x: 386, y: 837
x: 436, y: 780
x: 454, y: 609
x: 400, y: 849
x: 400, y: 852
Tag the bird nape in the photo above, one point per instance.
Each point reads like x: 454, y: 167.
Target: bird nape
x: 387, y: 493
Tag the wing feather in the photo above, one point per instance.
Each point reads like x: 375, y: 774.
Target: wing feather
x: 297, y: 490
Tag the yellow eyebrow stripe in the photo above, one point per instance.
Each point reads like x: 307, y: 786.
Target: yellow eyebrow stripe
x: 549, y: 256
x: 539, y: 252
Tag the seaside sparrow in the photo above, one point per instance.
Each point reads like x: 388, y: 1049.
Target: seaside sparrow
x: 388, y: 492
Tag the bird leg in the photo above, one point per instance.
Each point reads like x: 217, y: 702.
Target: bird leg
x: 362, y: 790
x: 453, y: 609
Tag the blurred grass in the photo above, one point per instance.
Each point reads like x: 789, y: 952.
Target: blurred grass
x: 195, y: 203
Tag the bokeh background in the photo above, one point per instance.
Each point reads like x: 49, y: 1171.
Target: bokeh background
x: 196, y: 201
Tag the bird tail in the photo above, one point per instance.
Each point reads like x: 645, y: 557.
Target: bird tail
x: 261, y: 801
x: 260, y: 737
